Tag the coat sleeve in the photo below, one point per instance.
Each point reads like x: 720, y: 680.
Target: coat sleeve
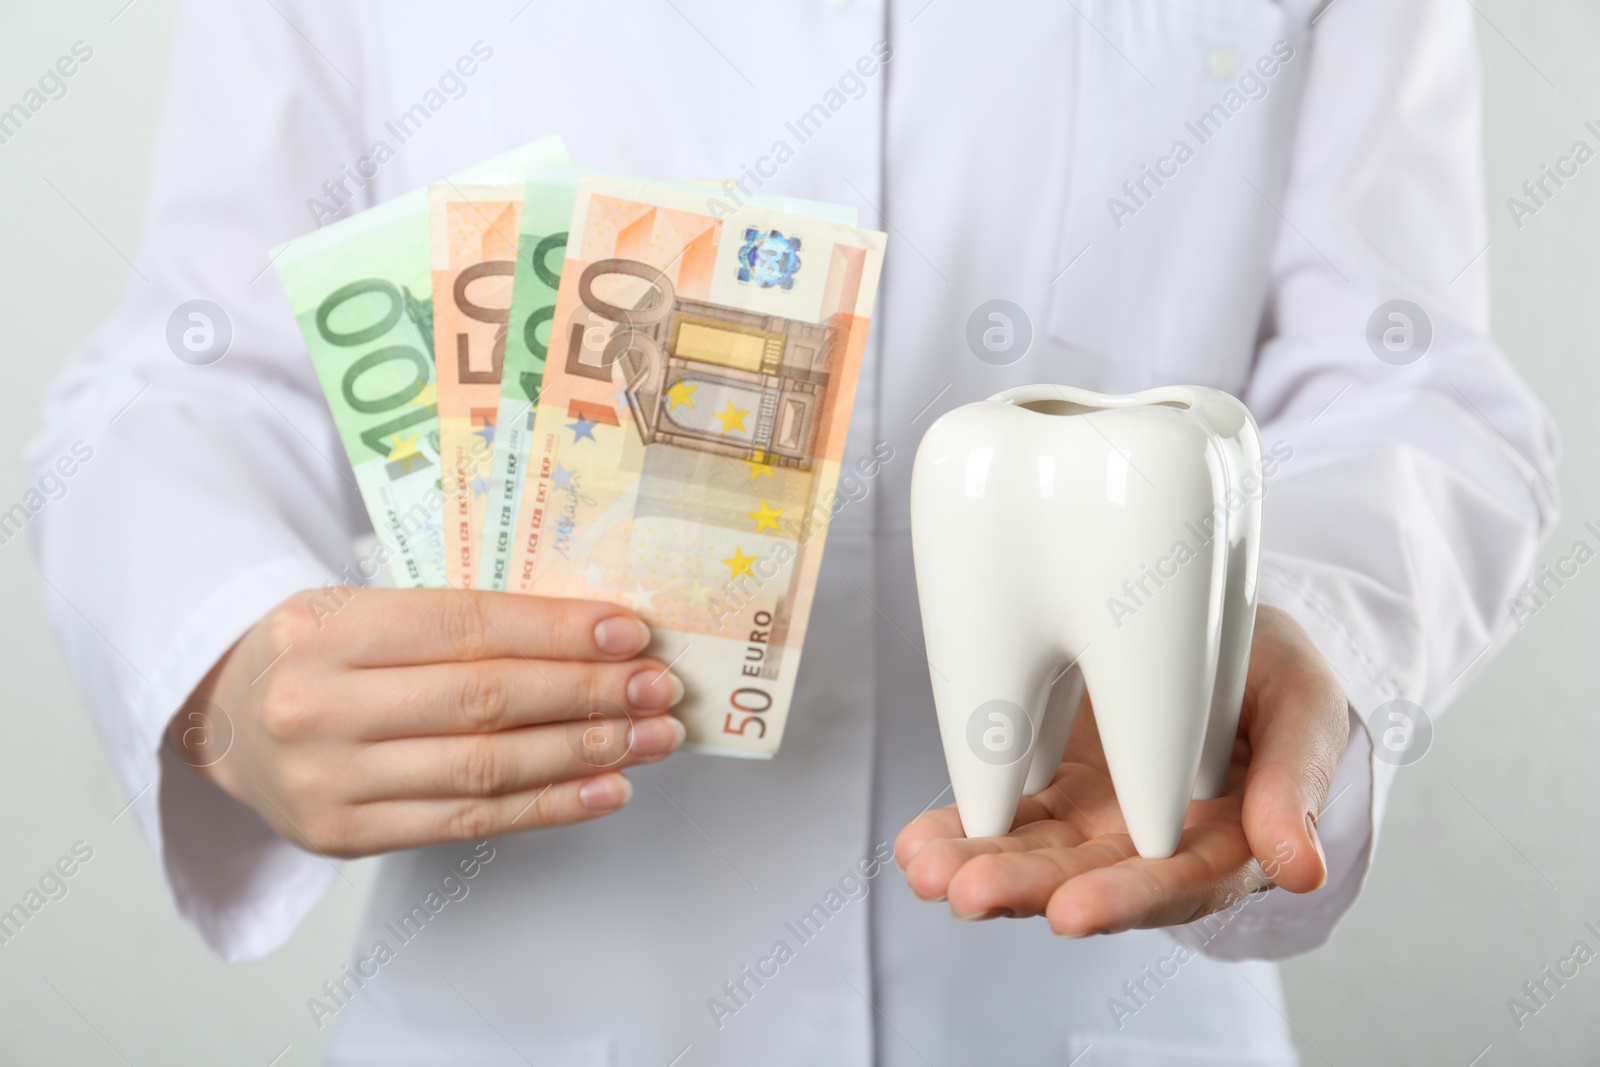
x: 1418, y: 486
x: 210, y: 493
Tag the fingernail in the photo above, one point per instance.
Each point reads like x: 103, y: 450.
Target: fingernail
x: 982, y: 916
x: 605, y: 793
x: 656, y: 736
x: 1311, y: 832
x: 621, y: 635
x: 654, y: 690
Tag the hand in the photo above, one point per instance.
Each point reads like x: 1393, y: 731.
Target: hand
x: 358, y: 721
x: 1068, y: 855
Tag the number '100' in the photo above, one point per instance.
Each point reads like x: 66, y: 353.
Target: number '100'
x: 422, y: 369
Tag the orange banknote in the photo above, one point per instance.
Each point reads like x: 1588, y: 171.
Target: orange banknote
x: 701, y: 371
x: 473, y: 242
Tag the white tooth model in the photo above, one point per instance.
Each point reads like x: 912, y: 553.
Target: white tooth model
x: 1065, y: 538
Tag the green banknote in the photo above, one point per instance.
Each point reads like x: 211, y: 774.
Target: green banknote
x: 361, y: 292
x: 541, y: 249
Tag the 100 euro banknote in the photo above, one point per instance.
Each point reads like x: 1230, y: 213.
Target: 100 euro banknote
x: 361, y: 292
x: 541, y: 248
x: 692, y: 415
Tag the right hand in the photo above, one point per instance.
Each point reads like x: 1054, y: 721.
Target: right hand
x: 411, y: 717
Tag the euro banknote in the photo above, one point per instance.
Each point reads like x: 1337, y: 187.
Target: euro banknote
x: 541, y: 249
x: 474, y: 231
x: 702, y: 365
x: 361, y: 293
x: 546, y: 209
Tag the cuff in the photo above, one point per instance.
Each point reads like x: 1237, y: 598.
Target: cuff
x: 242, y: 887
x: 1276, y: 924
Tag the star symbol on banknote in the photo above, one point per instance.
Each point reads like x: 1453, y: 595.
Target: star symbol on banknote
x: 697, y: 593
x: 739, y: 563
x: 759, y: 469
x: 562, y: 478
x: 621, y: 397
x: 767, y: 517
x: 428, y: 394
x: 732, y: 419
x: 683, y: 393
x: 486, y: 431
x: 479, y: 486
x: 581, y: 428
x: 594, y: 575
x: 640, y: 598
x: 405, y: 452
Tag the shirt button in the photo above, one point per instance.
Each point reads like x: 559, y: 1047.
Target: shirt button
x: 1222, y: 63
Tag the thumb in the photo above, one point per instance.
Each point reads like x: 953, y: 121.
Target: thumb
x: 1298, y: 726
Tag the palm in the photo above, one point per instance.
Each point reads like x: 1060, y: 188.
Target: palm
x: 1069, y: 857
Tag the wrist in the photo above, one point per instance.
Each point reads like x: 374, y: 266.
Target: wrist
x: 201, y: 732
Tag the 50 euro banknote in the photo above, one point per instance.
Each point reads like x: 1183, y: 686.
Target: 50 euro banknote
x: 361, y: 293
x: 545, y: 213
x: 474, y: 231
x: 701, y: 370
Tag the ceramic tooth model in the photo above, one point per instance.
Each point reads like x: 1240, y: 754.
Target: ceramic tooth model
x: 1065, y: 538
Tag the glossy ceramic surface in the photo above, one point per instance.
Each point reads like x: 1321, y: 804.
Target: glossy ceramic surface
x: 1065, y: 538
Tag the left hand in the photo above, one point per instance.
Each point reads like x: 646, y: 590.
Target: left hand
x: 1068, y: 855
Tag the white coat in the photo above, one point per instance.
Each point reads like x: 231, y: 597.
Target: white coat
x: 1332, y: 164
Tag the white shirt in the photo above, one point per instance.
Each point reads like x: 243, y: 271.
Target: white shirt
x: 998, y: 141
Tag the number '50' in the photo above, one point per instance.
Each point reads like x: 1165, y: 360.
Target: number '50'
x: 745, y: 700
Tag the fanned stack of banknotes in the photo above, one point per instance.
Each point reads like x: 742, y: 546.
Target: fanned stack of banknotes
x: 562, y: 383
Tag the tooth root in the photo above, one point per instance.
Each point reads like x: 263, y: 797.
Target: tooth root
x: 1060, y: 712
x: 990, y: 688
x: 1151, y: 686
x: 1239, y: 444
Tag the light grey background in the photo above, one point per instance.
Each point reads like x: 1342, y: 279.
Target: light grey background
x: 1488, y: 867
